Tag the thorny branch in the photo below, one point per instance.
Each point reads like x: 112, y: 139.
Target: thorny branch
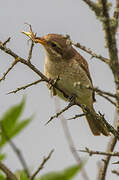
x: 94, y: 7
x: 111, y: 44
x: 60, y: 112
x: 17, y: 151
x: 90, y: 152
x: 103, y: 169
x: 115, y: 172
x: 26, y: 86
x: 8, y: 70
x: 89, y: 51
x: 116, y: 16
x: 102, y: 93
x: 69, y: 139
x: 30, y: 52
x: 8, y: 173
x: 45, y: 159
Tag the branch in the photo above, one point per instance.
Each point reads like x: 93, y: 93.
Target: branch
x: 103, y: 169
x: 24, y: 87
x: 60, y: 112
x: 17, y: 152
x: 8, y: 40
x: 115, y: 172
x: 8, y: 70
x: 90, y: 152
x: 102, y: 93
x: 45, y: 159
x: 31, y: 66
x: 30, y: 52
x: 89, y: 51
x: 94, y: 7
x: 116, y: 16
x: 70, y: 140
x: 107, y: 98
x: 8, y: 173
x: 77, y: 116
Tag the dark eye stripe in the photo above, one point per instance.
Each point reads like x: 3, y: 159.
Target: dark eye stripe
x: 53, y: 45
x: 56, y: 48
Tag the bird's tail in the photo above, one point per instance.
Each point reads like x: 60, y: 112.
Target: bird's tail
x: 96, y: 125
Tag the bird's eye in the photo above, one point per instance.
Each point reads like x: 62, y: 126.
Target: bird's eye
x: 53, y: 44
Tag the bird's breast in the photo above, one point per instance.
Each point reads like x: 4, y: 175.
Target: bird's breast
x: 70, y: 75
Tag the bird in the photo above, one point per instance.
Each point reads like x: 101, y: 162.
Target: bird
x: 65, y: 63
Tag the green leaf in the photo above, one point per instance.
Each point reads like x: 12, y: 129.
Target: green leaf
x: 10, y: 123
x: 52, y: 176
x: 66, y: 174
x: 10, y: 118
x: 21, y: 175
x: 2, y: 176
x: 70, y: 172
x: 19, y: 127
x: 2, y: 157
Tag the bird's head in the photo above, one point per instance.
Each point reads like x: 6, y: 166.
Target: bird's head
x: 56, y: 46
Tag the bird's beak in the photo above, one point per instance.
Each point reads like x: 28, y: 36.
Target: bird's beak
x: 35, y: 39
x: 40, y: 40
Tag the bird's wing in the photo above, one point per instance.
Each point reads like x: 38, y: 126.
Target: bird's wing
x: 84, y: 65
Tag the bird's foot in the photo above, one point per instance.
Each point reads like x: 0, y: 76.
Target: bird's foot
x: 52, y: 83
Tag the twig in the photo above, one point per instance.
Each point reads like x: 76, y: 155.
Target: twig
x: 103, y: 169
x: 90, y: 152
x: 77, y: 116
x: 32, y: 67
x: 94, y: 7
x: 24, y: 87
x: 89, y: 51
x: 109, y: 127
x: 30, y: 52
x: 8, y: 40
x: 8, y: 173
x: 102, y: 93
x: 107, y: 98
x: 45, y: 159
x: 116, y: 16
x: 60, y: 112
x: 115, y: 172
x: 114, y: 65
x: 8, y: 70
x: 97, y: 90
x: 70, y: 140
x: 111, y: 43
x: 17, y: 152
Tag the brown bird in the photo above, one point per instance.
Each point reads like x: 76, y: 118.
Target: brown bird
x: 65, y: 63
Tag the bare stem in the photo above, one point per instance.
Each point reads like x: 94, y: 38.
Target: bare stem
x: 115, y: 172
x: 91, y: 152
x: 45, y: 159
x: 26, y: 86
x: 70, y: 140
x: 8, y: 173
x: 8, y: 70
x: 60, y: 112
x: 89, y: 51
x: 116, y: 16
x: 103, y: 169
x: 30, y: 52
x: 17, y: 152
